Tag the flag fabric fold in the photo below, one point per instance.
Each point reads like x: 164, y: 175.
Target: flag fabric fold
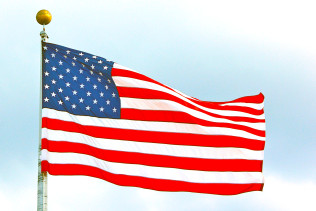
x: 103, y: 120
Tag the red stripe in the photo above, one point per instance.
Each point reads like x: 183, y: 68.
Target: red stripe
x: 181, y: 117
x: 131, y: 74
x: 256, y: 99
x: 249, y: 99
x: 148, y: 183
x: 232, y: 118
x: 154, y: 136
x: 142, y: 93
x: 154, y: 160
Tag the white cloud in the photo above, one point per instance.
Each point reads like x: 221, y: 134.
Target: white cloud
x: 86, y: 193
x: 281, y: 194
x: 14, y: 198
x: 153, y: 201
x: 77, y: 193
x: 289, y: 23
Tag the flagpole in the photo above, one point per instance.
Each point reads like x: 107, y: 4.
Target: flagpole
x: 43, y: 17
x: 42, y: 176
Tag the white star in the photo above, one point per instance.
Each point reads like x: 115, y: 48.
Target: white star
x: 91, y: 72
x: 60, y: 102
x: 46, y: 73
x: 86, y: 59
x: 65, y: 56
x: 46, y: 99
x: 113, y: 94
x: 56, y: 50
x: 61, y: 76
x: 99, y: 79
x: 94, y: 57
x: 95, y: 101
x: 101, y: 94
x: 109, y: 81
x: 67, y: 98
x: 45, y: 47
x: 83, y: 65
x: 101, y: 109
x: 75, y: 78
x: 95, y: 86
x: 73, y: 106
x: 114, y: 109
x: 46, y: 60
x: 87, y: 78
x: 60, y: 62
x: 74, y: 92
x: 80, y: 54
x: 88, y: 108
x: 73, y: 64
x: 81, y: 100
x: 67, y: 84
x: 100, y: 74
x: 81, y: 71
x: 60, y: 90
x: 54, y: 68
x: 53, y: 55
x: 68, y: 70
x: 106, y: 87
x: 88, y: 94
x: 53, y: 94
x: 100, y: 62
x: 68, y: 51
x: 81, y: 86
x: 46, y: 86
x: 108, y: 102
x: 92, y: 67
x: 105, y: 67
x: 74, y: 58
x: 53, y: 81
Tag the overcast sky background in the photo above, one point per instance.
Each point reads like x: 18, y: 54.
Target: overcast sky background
x: 211, y: 50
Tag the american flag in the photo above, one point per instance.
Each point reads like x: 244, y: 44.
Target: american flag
x: 103, y: 120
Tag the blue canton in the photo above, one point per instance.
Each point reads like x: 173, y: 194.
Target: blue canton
x: 78, y: 82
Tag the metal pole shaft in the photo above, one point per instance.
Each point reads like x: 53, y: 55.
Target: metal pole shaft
x: 42, y: 176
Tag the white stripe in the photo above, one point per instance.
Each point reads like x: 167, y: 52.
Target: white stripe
x: 167, y: 105
x: 147, y: 125
x: 257, y: 106
x: 154, y: 172
x: 118, y: 66
x: 131, y: 82
x: 153, y: 148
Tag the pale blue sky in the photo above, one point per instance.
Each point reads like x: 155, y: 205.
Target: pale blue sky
x: 211, y: 50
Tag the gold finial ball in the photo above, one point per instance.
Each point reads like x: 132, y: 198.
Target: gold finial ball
x: 43, y: 17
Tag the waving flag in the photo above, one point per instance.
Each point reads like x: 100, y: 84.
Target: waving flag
x: 103, y: 120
